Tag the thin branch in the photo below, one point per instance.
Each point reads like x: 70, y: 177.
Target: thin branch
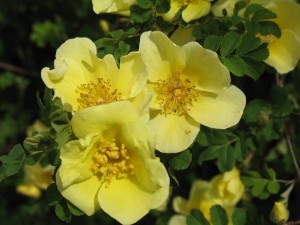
x: 293, y: 222
x: 15, y: 69
x: 291, y: 150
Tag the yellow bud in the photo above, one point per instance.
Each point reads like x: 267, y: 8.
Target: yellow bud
x: 279, y: 214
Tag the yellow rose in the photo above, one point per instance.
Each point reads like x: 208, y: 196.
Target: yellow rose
x: 285, y: 51
x: 82, y: 80
x: 224, y: 189
x: 193, y: 9
x: 190, y: 87
x: 112, y: 165
x: 112, y: 6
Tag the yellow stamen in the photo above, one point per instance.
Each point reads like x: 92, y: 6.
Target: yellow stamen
x: 92, y: 94
x: 176, y: 95
x: 270, y: 38
x: 111, y: 161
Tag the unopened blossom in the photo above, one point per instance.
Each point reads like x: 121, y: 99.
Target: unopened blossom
x: 81, y: 79
x: 285, y: 51
x: 192, y: 9
x: 190, y: 87
x: 225, y: 190
x: 112, y: 165
x: 37, y: 177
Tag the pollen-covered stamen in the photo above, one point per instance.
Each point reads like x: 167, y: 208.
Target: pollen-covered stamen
x: 111, y: 161
x: 92, y: 94
x: 176, y: 95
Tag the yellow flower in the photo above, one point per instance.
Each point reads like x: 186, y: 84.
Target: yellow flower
x: 82, y: 80
x: 112, y: 6
x: 218, y: 7
x: 224, y: 189
x: 36, y: 177
x: 279, y: 214
x: 112, y: 165
x: 285, y: 51
x: 193, y: 9
x: 190, y: 87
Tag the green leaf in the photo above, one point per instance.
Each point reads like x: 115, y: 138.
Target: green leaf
x: 116, y: 34
x: 74, y: 210
x: 63, y: 212
x: 196, y: 218
x: 239, y: 216
x: 181, y: 160
x: 218, y: 215
x: 273, y: 187
x: 253, y: 68
x: 164, y: 25
x: 239, y: 6
x: 226, y: 159
x: 259, y: 54
x: 210, y: 153
x: 162, y: 6
x: 255, y: 109
x: 249, y: 43
x: 229, y: 43
x: 234, y: 64
x: 269, y: 27
x: 253, y: 9
x: 53, y: 195
x: 102, y: 42
x: 13, y: 162
x: 122, y: 50
x: 212, y: 42
x: 140, y: 15
x: 145, y: 4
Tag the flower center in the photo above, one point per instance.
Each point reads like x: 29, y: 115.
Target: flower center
x: 111, y: 161
x: 92, y: 94
x: 176, y: 95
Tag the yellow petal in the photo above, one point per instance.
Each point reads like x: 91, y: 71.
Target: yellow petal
x: 109, y: 6
x: 171, y: 14
x: 204, y: 68
x: 182, y: 130
x: 219, y: 111
x: 177, y: 220
x: 70, y: 70
x: 72, y: 77
x: 182, y: 36
x: 132, y: 76
x: 76, y: 157
x: 218, y: 7
x: 161, y: 56
x: 284, y: 52
x: 140, y: 139
x: 141, y: 103
x: 195, y: 10
x: 76, y: 49
x: 82, y: 194
x: 99, y: 119
x: 29, y: 190
x: 127, y: 200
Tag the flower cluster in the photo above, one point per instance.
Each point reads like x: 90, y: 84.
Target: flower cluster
x: 155, y: 98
